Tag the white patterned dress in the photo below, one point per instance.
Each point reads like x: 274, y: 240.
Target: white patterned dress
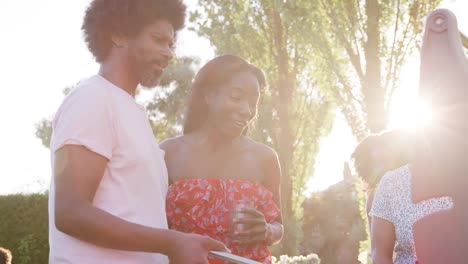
x: 393, y: 202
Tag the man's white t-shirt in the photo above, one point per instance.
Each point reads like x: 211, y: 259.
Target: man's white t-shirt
x: 105, y: 119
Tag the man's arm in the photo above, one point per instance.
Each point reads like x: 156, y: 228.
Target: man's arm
x: 77, y: 174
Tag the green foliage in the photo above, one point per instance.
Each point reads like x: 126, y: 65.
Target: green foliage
x: 44, y: 132
x: 44, y: 127
x: 360, y: 48
x: 166, y: 109
x: 317, y: 54
x: 293, y: 113
x: 24, y: 227
x: 364, y: 245
x: 464, y: 41
x: 333, y: 225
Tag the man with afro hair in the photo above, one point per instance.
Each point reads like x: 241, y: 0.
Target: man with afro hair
x: 107, y: 195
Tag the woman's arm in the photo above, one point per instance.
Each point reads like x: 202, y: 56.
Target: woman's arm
x: 382, y: 213
x: 273, y: 175
x: 259, y: 229
x: 170, y: 147
x: 382, y: 241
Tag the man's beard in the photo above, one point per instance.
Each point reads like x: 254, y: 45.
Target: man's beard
x: 148, y: 77
x: 144, y: 69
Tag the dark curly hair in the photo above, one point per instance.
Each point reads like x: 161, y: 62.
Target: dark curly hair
x: 127, y: 17
x: 5, y: 256
x: 396, y: 144
x: 216, y: 72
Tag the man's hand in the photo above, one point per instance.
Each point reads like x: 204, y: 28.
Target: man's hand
x: 193, y: 249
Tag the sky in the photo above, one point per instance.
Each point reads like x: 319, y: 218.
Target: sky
x: 42, y: 52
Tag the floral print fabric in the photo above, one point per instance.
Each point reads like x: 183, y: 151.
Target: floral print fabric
x: 201, y: 206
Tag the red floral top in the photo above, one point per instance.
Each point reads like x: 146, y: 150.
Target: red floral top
x: 201, y: 206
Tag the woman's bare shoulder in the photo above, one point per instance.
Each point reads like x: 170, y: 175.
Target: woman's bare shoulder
x: 263, y: 151
x: 171, y: 144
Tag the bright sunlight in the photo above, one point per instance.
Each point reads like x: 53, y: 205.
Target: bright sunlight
x: 410, y: 115
x: 407, y: 111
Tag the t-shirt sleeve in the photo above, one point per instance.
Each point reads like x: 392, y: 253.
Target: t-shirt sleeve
x: 85, y: 118
x: 382, y: 204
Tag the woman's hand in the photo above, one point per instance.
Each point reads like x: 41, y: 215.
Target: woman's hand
x: 250, y: 226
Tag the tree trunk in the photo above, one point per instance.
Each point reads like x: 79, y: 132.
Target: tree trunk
x: 285, y: 151
x: 373, y: 91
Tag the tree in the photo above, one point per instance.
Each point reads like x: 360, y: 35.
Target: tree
x: 166, y: 109
x: 44, y: 131
x: 363, y: 45
x: 44, y: 127
x: 351, y: 51
x: 334, y: 224
x: 294, y: 113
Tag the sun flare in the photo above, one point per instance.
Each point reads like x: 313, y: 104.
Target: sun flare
x: 410, y: 115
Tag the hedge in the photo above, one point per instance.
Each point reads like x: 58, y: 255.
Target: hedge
x: 24, y: 227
